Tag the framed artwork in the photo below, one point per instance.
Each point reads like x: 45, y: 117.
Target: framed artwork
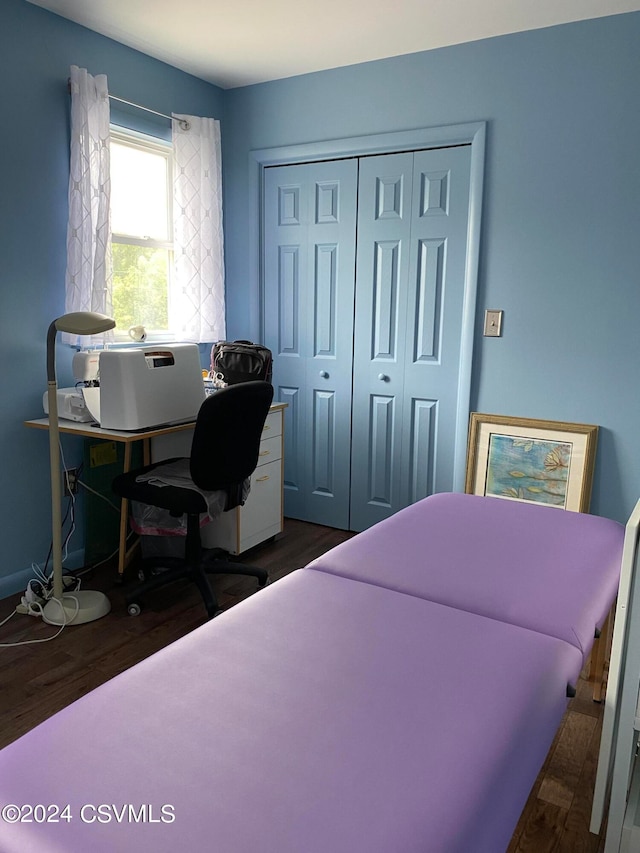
x: 537, y: 461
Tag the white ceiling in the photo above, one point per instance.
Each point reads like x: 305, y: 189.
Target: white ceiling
x: 238, y: 42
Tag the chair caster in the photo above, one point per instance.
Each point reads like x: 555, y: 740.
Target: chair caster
x: 134, y: 609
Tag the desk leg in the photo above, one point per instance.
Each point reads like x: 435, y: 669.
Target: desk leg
x: 125, y: 555
x: 124, y: 517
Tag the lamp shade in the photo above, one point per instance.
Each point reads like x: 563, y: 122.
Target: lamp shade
x: 84, y: 323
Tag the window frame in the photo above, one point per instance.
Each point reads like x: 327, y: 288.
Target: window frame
x: 155, y: 145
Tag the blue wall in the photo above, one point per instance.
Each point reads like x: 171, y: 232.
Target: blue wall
x: 37, y: 49
x: 560, y: 246
x: 560, y: 250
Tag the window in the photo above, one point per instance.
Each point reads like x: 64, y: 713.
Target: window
x: 141, y: 231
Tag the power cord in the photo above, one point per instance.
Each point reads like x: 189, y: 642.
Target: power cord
x: 39, y: 589
x: 28, y: 642
x: 98, y: 495
x: 35, y: 609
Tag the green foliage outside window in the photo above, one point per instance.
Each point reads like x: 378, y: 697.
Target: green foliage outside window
x: 140, y: 277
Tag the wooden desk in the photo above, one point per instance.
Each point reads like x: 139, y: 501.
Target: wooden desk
x: 86, y: 430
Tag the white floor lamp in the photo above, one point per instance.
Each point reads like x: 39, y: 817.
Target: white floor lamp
x: 77, y: 607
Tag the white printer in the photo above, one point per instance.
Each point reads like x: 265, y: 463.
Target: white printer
x: 146, y: 387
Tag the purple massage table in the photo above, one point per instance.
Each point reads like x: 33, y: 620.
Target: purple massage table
x: 328, y: 713
x: 535, y: 566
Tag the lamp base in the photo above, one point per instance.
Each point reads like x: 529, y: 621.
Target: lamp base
x: 76, y: 608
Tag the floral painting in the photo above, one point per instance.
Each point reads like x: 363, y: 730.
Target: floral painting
x: 527, y: 459
x: 528, y: 469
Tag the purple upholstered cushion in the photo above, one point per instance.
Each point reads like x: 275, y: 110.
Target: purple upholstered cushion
x: 539, y: 567
x: 320, y: 716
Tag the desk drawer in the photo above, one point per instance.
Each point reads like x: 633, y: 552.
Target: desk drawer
x: 261, y: 516
x: 270, y: 450
x: 272, y: 425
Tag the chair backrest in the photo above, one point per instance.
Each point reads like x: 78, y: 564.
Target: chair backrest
x: 226, y: 439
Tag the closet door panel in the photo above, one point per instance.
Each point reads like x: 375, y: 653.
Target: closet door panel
x: 380, y: 467
x: 286, y: 311
x: 384, y: 232
x: 309, y: 268
x: 293, y: 473
x: 422, y: 449
x: 435, y: 297
x: 412, y: 243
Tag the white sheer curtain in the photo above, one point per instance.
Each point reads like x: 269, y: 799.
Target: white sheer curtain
x: 88, y: 279
x: 196, y: 303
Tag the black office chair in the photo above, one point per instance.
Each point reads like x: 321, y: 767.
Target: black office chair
x: 224, y: 453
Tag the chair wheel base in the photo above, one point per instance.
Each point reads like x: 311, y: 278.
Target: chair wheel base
x: 134, y: 609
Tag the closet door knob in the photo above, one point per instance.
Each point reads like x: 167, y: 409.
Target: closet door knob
x: 324, y: 374
x: 383, y: 377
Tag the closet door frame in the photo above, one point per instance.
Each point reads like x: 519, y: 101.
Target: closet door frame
x: 473, y: 134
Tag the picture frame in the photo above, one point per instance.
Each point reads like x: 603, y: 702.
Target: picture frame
x: 531, y: 460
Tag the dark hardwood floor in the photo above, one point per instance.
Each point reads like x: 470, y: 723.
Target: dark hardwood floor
x: 39, y: 679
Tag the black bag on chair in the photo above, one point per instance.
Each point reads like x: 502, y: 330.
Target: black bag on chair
x: 240, y: 361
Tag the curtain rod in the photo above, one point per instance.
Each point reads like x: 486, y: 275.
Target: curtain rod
x: 184, y: 124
